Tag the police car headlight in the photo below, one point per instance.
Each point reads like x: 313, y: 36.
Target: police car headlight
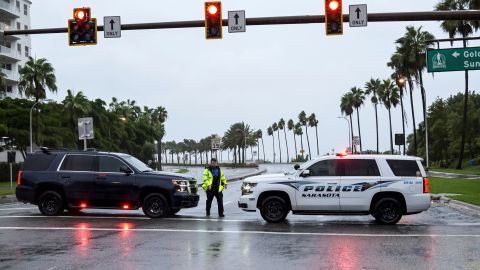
x: 247, y: 188
x: 180, y: 185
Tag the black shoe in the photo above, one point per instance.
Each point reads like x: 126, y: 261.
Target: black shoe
x: 208, y: 214
x: 221, y: 215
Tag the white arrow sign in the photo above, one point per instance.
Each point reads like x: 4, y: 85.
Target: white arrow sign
x: 112, y: 28
x: 358, y: 16
x: 455, y: 54
x: 236, y: 21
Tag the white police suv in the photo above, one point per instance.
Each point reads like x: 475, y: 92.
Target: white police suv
x: 385, y: 186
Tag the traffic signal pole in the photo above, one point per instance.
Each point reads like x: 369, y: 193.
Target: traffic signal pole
x: 306, y: 19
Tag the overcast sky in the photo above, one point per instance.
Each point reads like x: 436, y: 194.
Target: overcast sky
x: 258, y: 77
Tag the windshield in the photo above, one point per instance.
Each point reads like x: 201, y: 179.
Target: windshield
x: 137, y: 163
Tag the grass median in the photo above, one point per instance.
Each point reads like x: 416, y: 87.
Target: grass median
x: 5, y: 188
x: 469, y: 190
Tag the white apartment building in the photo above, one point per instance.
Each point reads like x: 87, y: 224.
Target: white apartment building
x: 14, y: 50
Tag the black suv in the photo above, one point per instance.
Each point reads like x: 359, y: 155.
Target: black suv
x: 73, y: 180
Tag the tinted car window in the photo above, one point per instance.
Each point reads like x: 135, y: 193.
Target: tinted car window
x: 323, y: 168
x: 38, y: 162
x: 404, y: 167
x: 79, y: 163
x: 109, y: 164
x: 361, y: 167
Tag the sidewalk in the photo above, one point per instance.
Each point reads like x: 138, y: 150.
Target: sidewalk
x: 452, y: 175
x: 8, y: 199
x: 457, y: 205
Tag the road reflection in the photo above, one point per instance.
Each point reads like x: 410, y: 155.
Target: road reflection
x: 82, y: 237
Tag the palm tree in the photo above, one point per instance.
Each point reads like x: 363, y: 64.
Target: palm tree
x: 299, y: 132
x: 390, y: 97
x: 36, y: 76
x: 159, y: 116
x: 404, y: 69
x: 302, y: 118
x: 313, y: 122
x: 358, y: 99
x: 75, y: 104
x: 291, y: 127
x: 463, y: 28
x: 281, y: 125
x: 346, y: 107
x: 270, y: 133
x: 259, y: 135
x: 371, y: 88
x: 275, y: 128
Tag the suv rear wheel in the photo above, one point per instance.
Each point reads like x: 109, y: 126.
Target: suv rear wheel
x: 274, y: 209
x: 155, y: 205
x: 50, y: 203
x: 387, y: 211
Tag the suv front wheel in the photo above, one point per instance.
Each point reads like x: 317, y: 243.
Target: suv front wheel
x: 50, y: 203
x: 274, y: 209
x: 387, y: 211
x: 155, y: 205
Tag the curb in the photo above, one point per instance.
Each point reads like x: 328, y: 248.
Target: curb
x: 237, y: 178
x: 458, y: 205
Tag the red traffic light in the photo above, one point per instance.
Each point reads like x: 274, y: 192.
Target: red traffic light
x: 81, y: 14
x: 333, y: 5
x: 212, y: 9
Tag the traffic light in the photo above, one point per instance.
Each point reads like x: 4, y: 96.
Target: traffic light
x: 333, y: 17
x: 82, y: 29
x: 213, y: 20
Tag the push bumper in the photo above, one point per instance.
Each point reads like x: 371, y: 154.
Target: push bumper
x: 247, y: 203
x: 185, y: 200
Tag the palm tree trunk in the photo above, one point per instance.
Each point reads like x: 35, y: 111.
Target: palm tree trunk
x: 464, y: 121
x: 263, y: 147
x: 391, y: 134
x: 286, y: 145
x: 376, y: 124
x: 316, y: 134
x: 403, y: 118
x: 359, y: 132
x: 351, y: 130
x: 413, y: 119
x: 308, y: 142
x: 301, y: 145
x: 279, y: 147
x: 296, y: 149
x: 36, y: 122
x: 273, y: 136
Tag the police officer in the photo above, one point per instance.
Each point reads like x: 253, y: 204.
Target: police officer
x: 213, y: 183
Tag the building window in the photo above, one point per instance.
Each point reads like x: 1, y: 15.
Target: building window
x: 19, y: 48
x: 25, y: 9
x: 8, y: 67
x: 18, y: 26
x: 9, y: 88
x: 18, y: 4
x: 26, y: 28
x: 19, y: 68
x: 27, y: 51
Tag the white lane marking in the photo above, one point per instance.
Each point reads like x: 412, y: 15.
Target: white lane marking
x: 7, y: 209
x: 236, y: 232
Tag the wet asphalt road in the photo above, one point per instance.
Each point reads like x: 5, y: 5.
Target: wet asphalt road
x: 440, y: 238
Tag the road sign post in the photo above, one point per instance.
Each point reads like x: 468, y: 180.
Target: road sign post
x: 85, y: 130
x: 455, y: 59
x: 236, y: 21
x: 112, y: 27
x: 358, y: 16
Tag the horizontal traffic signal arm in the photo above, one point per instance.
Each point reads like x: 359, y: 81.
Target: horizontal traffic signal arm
x: 372, y: 17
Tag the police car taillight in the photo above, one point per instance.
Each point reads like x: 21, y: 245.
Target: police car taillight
x: 19, y: 177
x: 425, y: 185
x: 342, y: 154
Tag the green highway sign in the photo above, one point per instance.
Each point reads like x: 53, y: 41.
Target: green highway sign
x: 456, y: 59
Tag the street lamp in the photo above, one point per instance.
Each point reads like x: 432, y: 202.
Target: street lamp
x: 403, y: 80
x: 31, y: 110
x: 349, y: 131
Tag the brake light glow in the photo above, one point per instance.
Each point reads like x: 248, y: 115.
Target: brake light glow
x: 19, y: 178
x: 126, y: 206
x: 343, y: 153
x: 425, y: 185
x: 83, y: 205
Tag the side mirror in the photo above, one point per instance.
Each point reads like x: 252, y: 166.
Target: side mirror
x: 305, y: 173
x: 296, y: 167
x: 126, y: 170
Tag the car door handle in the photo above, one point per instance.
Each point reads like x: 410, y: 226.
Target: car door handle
x: 65, y: 177
x: 100, y: 178
x: 115, y: 182
x: 332, y: 183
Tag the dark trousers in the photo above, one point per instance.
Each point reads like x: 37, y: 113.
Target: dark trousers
x: 219, y: 196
